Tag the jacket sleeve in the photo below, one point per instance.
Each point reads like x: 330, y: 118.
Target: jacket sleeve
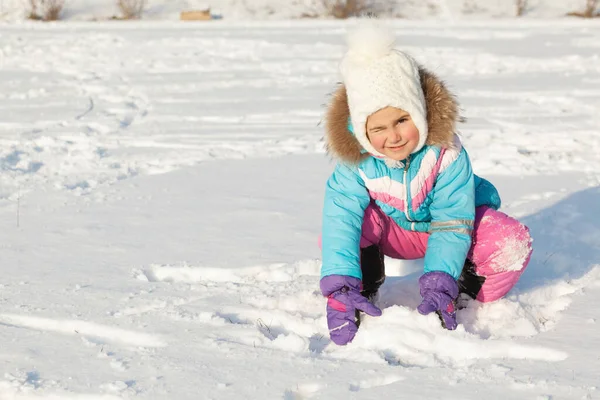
x: 452, y: 216
x: 346, y: 199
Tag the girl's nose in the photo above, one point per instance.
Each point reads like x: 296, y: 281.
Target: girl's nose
x: 396, y: 135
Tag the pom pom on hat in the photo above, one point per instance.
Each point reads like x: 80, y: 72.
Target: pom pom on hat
x: 369, y: 42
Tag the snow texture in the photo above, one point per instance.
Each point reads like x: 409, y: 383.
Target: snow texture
x: 447, y: 10
x: 160, y: 201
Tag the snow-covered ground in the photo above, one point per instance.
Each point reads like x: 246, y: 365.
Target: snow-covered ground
x: 160, y: 202
x: 449, y: 10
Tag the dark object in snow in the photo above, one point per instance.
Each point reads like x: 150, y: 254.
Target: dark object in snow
x: 373, y: 272
x: 469, y: 282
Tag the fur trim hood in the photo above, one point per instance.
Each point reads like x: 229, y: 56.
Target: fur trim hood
x: 442, y: 116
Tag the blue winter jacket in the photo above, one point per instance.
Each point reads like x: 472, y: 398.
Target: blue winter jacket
x: 435, y: 192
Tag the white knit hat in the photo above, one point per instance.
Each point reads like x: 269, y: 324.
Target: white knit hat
x: 378, y: 76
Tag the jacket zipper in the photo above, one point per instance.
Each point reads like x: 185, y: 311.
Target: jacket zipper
x: 407, y: 185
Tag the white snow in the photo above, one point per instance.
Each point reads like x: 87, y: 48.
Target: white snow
x: 161, y: 188
x: 448, y: 10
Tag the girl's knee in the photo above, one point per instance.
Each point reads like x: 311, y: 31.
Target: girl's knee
x: 515, y: 228
x: 500, y: 244
x: 517, y: 239
x: 496, y: 227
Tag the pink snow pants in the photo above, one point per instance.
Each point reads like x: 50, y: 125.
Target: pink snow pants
x: 500, y: 250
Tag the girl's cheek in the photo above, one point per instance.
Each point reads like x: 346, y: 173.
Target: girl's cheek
x: 378, y: 142
x: 415, y: 133
x: 411, y: 133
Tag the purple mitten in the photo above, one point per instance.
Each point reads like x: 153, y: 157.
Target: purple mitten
x: 343, y: 299
x: 439, y: 291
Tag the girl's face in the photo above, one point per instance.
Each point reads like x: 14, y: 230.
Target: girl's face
x: 392, y: 132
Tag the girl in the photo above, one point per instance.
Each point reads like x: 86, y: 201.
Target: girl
x: 403, y: 187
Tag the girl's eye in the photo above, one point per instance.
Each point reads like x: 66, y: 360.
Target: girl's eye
x: 402, y: 120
